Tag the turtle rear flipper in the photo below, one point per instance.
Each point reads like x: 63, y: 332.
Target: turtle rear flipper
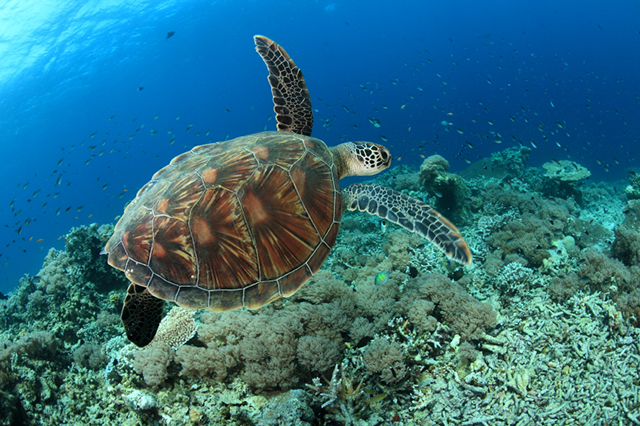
x: 141, y: 315
x: 413, y: 215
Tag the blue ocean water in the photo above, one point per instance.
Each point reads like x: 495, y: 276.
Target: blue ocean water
x: 94, y: 98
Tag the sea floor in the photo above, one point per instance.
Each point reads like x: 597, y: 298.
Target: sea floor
x: 542, y: 328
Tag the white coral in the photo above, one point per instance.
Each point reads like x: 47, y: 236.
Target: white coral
x: 177, y: 328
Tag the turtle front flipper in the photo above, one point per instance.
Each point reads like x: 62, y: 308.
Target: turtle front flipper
x: 289, y: 90
x: 413, y: 215
x: 141, y: 315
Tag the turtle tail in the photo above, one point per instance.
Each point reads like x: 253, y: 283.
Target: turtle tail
x: 413, y: 215
x: 141, y: 315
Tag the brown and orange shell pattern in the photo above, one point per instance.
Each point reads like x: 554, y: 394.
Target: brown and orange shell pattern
x: 232, y: 224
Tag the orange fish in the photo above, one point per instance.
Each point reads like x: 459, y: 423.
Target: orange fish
x: 39, y: 240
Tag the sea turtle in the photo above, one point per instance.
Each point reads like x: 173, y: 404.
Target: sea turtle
x: 242, y: 222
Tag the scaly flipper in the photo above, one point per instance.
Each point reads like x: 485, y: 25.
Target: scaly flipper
x: 289, y: 90
x: 413, y: 215
x: 141, y: 315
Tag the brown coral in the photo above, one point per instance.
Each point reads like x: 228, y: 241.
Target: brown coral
x: 152, y: 362
x: 386, y: 359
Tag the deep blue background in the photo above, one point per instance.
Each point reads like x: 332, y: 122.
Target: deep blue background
x: 66, y: 68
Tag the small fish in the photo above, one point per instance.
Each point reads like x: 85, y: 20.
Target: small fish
x: 374, y: 121
x: 383, y: 226
x: 381, y: 278
x: 140, y: 88
x: 169, y: 35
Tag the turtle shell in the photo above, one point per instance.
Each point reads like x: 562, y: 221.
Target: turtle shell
x: 232, y: 224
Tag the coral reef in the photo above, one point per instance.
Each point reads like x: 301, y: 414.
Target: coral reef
x: 565, y: 171
x: 507, y: 164
x: 633, y: 189
x: 450, y: 189
x: 632, y: 214
x: 550, y: 306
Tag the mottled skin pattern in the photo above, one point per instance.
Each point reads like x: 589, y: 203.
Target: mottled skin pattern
x: 413, y: 215
x: 243, y: 222
x: 292, y: 104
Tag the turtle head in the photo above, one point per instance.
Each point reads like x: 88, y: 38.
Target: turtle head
x: 362, y: 158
